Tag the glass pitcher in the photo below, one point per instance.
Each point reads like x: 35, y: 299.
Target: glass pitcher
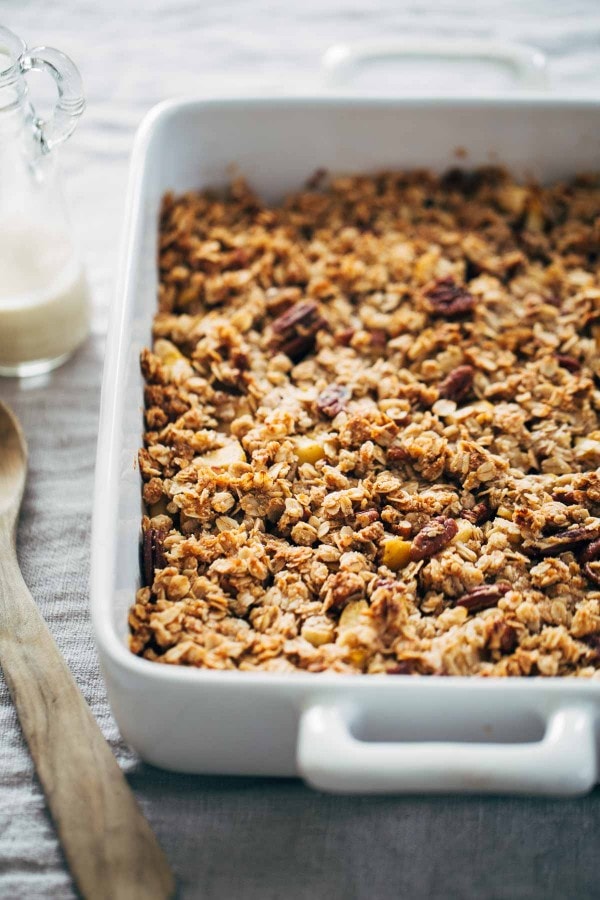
x: 44, y: 310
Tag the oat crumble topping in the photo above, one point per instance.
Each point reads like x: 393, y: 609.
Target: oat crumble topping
x: 373, y: 431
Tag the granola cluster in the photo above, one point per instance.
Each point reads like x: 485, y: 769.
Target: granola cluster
x: 373, y: 431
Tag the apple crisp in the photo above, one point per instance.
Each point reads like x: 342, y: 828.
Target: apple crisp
x: 373, y: 431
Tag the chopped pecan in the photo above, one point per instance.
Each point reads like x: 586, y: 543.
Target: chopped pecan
x: 446, y: 298
x: 502, y: 636
x: 483, y: 596
x: 240, y: 360
x: 280, y: 299
x: 592, y: 571
x: 508, y: 638
x: 367, y: 517
x: 479, y: 514
x: 372, y: 533
x: 402, y: 529
x: 298, y: 314
x: 403, y: 667
x: 344, y: 337
x: 236, y: 259
x: 569, y: 497
x: 316, y: 179
x: 153, y: 553
x: 433, y: 537
x: 570, y: 363
x: 593, y: 642
x: 397, y: 454
x: 563, y: 540
x: 379, y: 338
x: 295, y: 330
x: 384, y: 584
x: 160, y: 560
x: 332, y: 400
x: 467, y: 182
x: 458, y: 383
x: 591, y: 553
x: 590, y: 558
x: 227, y: 387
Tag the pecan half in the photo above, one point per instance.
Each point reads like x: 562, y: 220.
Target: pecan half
x: 484, y: 596
x: 153, y: 553
x: 563, y: 540
x: 568, y: 362
x: 457, y: 384
x: 478, y: 515
x: 295, y: 330
x: 332, y: 400
x: 446, y: 298
x: 433, y: 537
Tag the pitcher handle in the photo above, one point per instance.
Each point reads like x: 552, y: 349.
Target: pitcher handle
x: 70, y: 103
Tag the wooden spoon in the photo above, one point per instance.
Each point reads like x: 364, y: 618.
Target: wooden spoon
x: 109, y: 846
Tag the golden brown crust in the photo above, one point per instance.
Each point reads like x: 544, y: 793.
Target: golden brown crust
x: 373, y: 430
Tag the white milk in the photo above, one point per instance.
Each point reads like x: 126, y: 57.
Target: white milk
x: 43, y: 297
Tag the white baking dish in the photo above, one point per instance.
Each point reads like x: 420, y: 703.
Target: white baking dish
x: 345, y: 733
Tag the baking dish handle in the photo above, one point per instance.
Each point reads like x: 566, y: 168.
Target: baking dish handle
x: 562, y: 763
x: 529, y: 64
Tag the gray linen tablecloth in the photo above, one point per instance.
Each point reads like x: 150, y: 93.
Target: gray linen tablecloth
x: 244, y: 838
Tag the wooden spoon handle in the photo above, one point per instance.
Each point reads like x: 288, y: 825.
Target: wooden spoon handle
x: 109, y: 846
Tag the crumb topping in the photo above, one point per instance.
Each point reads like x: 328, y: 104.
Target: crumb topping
x: 373, y: 436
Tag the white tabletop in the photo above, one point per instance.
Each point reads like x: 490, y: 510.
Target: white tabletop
x: 230, y: 838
